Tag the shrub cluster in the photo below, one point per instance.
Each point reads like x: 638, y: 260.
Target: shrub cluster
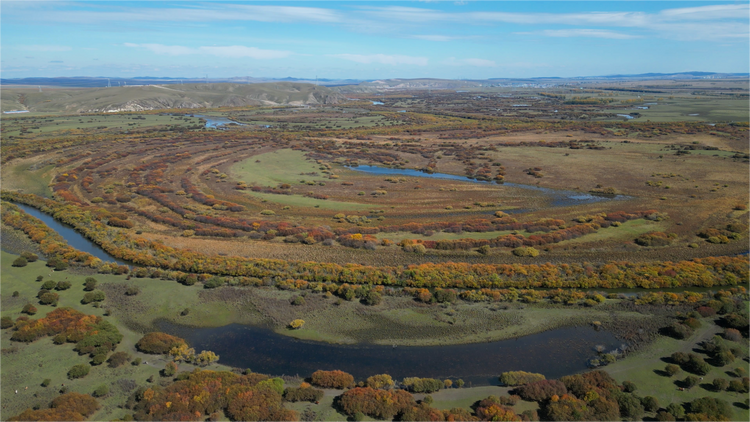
x: 158, y: 343
x: 332, y: 379
x: 515, y: 378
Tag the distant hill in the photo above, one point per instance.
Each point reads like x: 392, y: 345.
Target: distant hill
x: 679, y: 75
x: 154, y: 97
x: 102, y: 81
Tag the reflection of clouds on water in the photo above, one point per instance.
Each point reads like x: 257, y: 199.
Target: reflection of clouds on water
x: 554, y: 353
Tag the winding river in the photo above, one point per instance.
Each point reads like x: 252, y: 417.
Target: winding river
x: 73, y: 238
x: 554, y: 353
x: 557, y: 197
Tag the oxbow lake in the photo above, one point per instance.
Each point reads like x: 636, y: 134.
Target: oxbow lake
x: 554, y: 353
x: 557, y: 197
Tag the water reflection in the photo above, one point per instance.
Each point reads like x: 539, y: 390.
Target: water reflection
x: 558, y: 197
x: 73, y: 238
x: 553, y: 353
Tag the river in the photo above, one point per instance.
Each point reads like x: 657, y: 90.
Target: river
x: 554, y: 353
x: 557, y: 197
x: 73, y: 238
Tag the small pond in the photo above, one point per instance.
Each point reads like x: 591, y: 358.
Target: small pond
x: 553, y: 353
x: 558, y: 197
x: 214, y: 122
x: 73, y: 238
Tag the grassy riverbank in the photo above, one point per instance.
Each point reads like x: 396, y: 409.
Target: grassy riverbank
x: 646, y: 370
x: 398, y: 320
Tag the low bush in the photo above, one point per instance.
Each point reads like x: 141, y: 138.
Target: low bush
x: 118, y: 359
x: 423, y: 385
x: 332, y: 379
x: 515, y: 378
x: 79, y: 371
x: 29, y: 257
x: 95, y: 296
x: 20, y: 262
x: 303, y: 394
x: 101, y: 391
x: 158, y: 343
x: 541, y: 390
x: 526, y: 251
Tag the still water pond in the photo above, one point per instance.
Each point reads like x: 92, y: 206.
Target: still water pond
x: 557, y: 197
x: 215, y: 122
x: 553, y: 353
x: 73, y: 238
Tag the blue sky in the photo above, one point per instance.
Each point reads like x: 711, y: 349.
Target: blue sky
x: 371, y: 39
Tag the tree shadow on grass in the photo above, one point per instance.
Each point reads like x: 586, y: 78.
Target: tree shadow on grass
x: 682, y: 384
x: 741, y: 405
x: 708, y: 387
x: 661, y: 373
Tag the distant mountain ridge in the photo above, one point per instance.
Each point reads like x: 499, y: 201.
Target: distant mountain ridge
x: 153, y: 97
x: 102, y: 81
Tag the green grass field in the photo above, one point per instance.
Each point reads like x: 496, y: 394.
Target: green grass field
x: 642, y: 368
x: 628, y: 231
x: 330, y: 123
x: 298, y: 201
x: 49, y: 124
x: 28, y: 364
x: 691, y: 109
x: 32, y: 181
x: 397, y: 236
x: 286, y: 166
x: 274, y: 168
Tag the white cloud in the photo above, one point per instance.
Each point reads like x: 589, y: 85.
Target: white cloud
x: 591, y: 33
x: 712, y: 22
x: 383, y: 59
x: 723, y: 11
x: 31, y: 4
x: 188, y: 13
x: 239, y: 51
x: 232, y: 51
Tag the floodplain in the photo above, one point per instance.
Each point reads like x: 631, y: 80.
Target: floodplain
x: 268, y: 222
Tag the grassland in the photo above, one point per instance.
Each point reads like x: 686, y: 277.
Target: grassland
x: 645, y: 369
x: 56, y: 124
x: 700, y: 188
x: 28, y: 364
x: 274, y: 168
x: 687, y: 109
x: 625, y: 232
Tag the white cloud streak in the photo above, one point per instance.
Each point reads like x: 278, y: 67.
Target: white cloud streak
x: 392, y: 60
x: 190, y: 13
x: 588, y: 33
x: 452, y: 61
x: 686, y: 23
x: 232, y: 51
